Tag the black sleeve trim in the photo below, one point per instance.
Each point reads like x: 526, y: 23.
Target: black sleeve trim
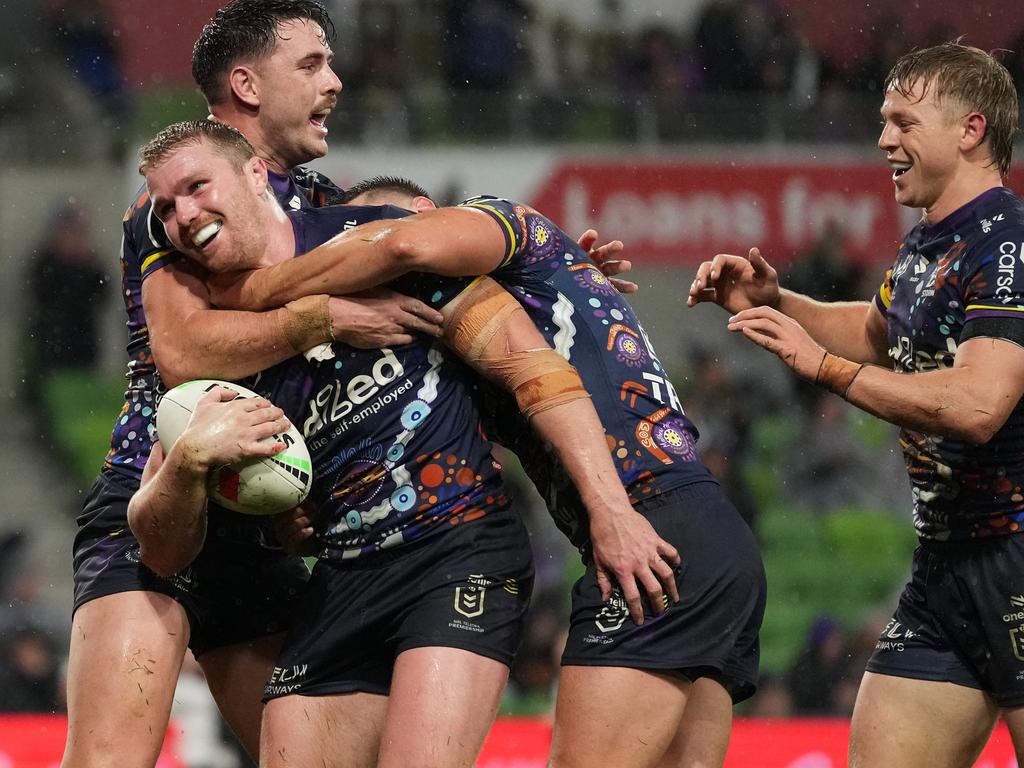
x: 1011, y: 329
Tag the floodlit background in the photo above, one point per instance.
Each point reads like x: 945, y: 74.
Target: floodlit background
x: 683, y: 127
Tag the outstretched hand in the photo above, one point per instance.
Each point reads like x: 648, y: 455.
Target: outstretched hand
x: 783, y: 336
x: 607, y: 258
x: 629, y: 553
x: 735, y: 282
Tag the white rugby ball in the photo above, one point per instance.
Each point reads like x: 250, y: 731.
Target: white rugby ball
x: 261, y: 485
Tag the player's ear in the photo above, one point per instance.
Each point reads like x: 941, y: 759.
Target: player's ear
x: 256, y: 172
x: 244, y: 87
x: 421, y: 203
x: 974, y: 127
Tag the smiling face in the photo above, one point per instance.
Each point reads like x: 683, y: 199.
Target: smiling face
x: 296, y: 89
x: 922, y: 140
x: 213, y: 211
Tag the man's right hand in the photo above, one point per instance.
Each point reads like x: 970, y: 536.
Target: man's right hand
x: 225, y: 428
x: 382, y: 318
x: 736, y: 283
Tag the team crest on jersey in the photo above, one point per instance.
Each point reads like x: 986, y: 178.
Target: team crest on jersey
x: 469, y: 600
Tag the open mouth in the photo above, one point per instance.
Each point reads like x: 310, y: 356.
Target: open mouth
x: 318, y: 120
x: 207, y: 233
x: 899, y: 168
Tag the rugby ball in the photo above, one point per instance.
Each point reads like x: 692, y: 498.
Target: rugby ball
x: 261, y: 485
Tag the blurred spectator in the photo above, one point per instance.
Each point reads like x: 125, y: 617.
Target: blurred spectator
x: 772, y: 699
x: 720, y: 43
x: 824, y: 271
x: 86, y: 36
x: 66, y: 286
x: 30, y: 679
x: 816, y: 677
x: 483, y: 57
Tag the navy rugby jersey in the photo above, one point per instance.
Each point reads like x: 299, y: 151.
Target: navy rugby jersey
x: 394, y: 434
x: 959, y: 279
x: 144, y: 250
x: 653, y: 443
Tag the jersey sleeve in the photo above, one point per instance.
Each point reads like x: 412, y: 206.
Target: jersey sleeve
x: 146, y: 242
x: 994, y: 289
x: 511, y: 218
x: 884, y: 296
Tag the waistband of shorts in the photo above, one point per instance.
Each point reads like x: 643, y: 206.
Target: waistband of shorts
x: 695, y: 491
x: 966, y: 546
x: 386, y: 557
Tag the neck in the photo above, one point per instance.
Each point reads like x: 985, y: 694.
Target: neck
x: 970, y: 181
x: 247, y: 122
x: 279, y: 243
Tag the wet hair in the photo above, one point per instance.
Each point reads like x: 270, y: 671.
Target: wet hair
x: 382, y: 185
x: 246, y: 29
x: 232, y: 143
x: 970, y: 78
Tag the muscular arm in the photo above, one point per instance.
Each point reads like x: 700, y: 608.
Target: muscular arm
x: 625, y: 546
x: 455, y: 242
x: 168, y: 512
x: 851, y: 329
x: 970, y: 401
x: 191, y: 340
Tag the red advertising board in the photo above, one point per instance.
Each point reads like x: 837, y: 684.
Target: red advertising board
x: 791, y: 743
x: 680, y: 213
x: 31, y: 741
x: 37, y: 741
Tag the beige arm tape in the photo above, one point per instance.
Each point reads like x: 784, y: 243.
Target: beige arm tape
x: 306, y: 322
x: 540, y: 378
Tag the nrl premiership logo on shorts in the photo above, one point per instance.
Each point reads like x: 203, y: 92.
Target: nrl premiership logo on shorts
x: 469, y: 600
x: 1016, y: 616
x: 613, y: 614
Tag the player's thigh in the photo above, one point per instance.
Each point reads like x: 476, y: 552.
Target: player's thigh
x: 702, y: 738
x: 616, y: 716
x: 340, y: 729
x: 126, y: 653
x: 1014, y: 717
x: 236, y: 675
x: 460, y: 689
x: 909, y: 722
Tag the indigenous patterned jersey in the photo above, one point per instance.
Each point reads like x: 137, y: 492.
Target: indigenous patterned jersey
x: 960, y: 279
x: 144, y: 250
x: 652, y: 442
x: 398, y: 451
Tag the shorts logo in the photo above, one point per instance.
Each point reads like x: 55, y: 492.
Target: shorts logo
x: 1017, y: 601
x: 1017, y: 642
x: 469, y: 601
x: 613, y: 615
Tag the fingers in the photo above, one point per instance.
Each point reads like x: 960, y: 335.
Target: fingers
x: 605, y: 585
x: 623, y: 286
x: 666, y: 575
x: 587, y: 240
x: 608, y: 252
x: 631, y: 595
x: 611, y: 267
x: 417, y: 324
x: 422, y: 311
x: 652, y: 587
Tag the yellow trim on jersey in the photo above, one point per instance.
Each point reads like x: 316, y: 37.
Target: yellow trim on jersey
x: 885, y: 294
x: 473, y: 282
x: 996, y: 307
x: 148, y: 261
x: 511, y: 232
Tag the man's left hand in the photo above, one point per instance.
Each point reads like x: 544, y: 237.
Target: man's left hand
x: 608, y: 259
